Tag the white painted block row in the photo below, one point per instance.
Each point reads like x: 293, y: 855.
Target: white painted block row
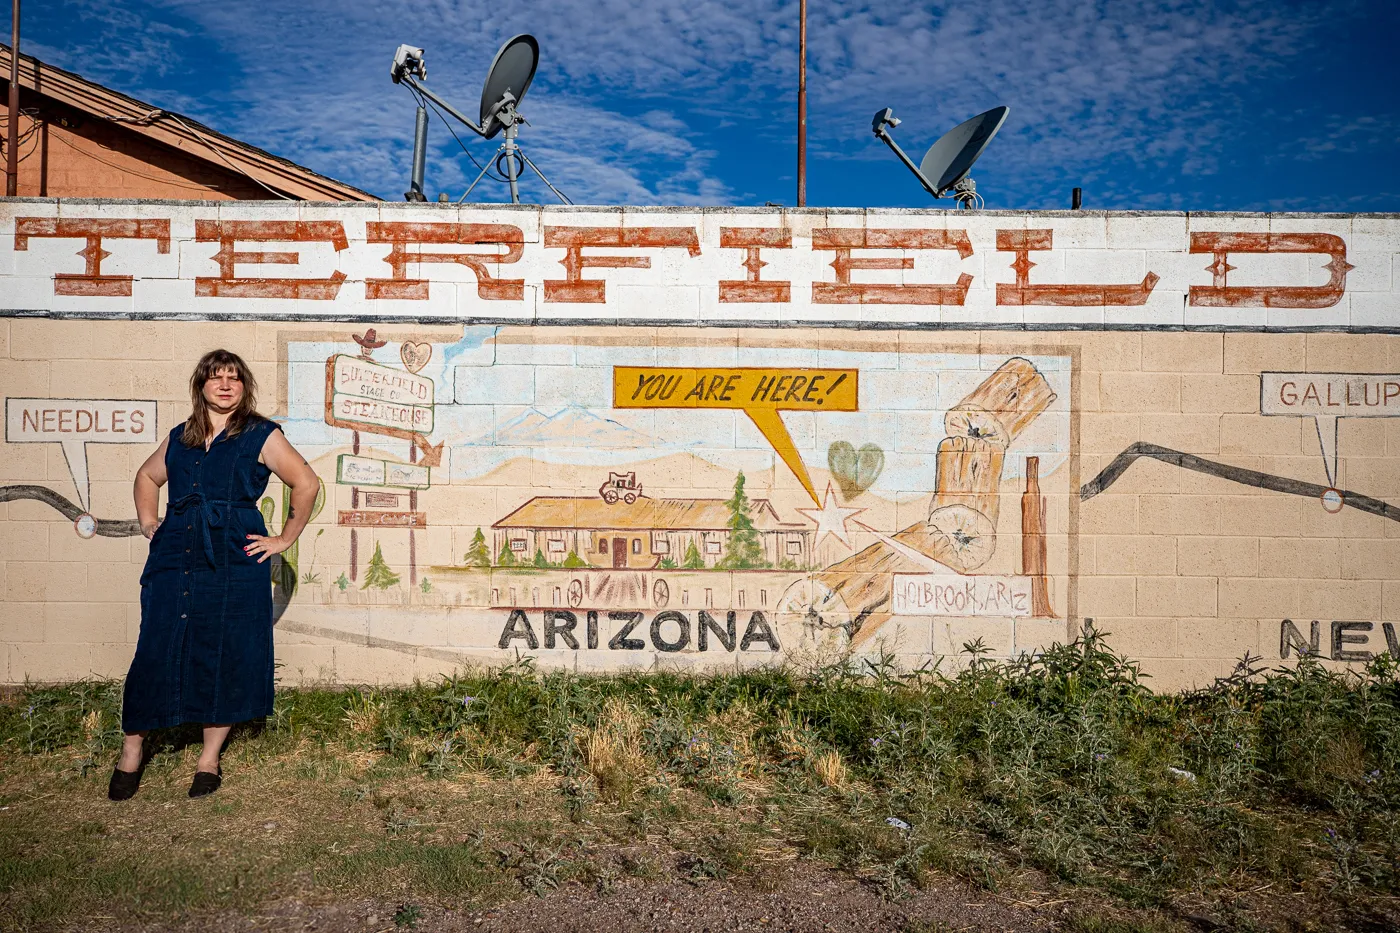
x: 866, y: 268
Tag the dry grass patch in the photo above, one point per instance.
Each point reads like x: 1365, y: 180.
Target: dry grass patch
x: 830, y: 769
x: 612, y: 751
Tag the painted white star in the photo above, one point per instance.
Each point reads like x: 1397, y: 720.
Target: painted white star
x: 831, y: 518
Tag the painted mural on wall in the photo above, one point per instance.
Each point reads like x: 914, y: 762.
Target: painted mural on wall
x: 73, y: 424
x: 707, y: 509
x: 575, y: 491
x: 564, y: 492
x: 556, y: 469
x: 1324, y: 399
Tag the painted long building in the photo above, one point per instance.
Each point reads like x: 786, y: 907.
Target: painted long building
x: 648, y: 534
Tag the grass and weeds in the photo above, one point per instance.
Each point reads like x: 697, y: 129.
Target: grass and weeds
x: 1269, y: 801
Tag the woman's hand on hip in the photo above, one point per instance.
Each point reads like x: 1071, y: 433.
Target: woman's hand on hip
x: 265, y: 546
x: 149, y: 529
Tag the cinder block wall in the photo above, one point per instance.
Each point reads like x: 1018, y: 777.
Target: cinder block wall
x: 1180, y: 484
x: 78, y: 156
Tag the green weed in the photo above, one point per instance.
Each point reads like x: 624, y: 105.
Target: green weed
x: 1063, y: 764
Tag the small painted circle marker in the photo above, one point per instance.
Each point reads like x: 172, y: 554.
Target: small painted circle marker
x: 85, y: 525
x: 1332, y: 500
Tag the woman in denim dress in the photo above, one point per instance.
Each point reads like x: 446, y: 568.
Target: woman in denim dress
x: 204, y: 653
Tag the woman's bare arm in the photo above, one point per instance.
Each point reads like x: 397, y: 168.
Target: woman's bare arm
x: 291, y: 468
x: 146, y: 489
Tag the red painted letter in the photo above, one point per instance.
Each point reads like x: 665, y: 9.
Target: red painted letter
x: 227, y: 232
x: 1221, y: 295
x: 91, y: 281
x: 1022, y: 292
x: 574, y: 287
x: 751, y: 287
x: 404, y: 235
x: 844, y: 291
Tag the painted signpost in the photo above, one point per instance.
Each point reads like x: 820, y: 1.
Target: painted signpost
x: 74, y: 424
x: 370, y: 397
x: 371, y: 471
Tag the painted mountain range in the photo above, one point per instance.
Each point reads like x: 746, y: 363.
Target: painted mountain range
x: 570, y: 426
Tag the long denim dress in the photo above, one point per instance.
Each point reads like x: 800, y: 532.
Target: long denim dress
x: 205, y: 650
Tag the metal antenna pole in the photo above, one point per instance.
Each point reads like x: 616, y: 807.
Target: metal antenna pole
x: 509, y: 151
x: 426, y: 92
x: 420, y: 155
x: 479, y: 175
x: 885, y: 117
x: 12, y: 137
x: 547, y: 182
x: 802, y: 104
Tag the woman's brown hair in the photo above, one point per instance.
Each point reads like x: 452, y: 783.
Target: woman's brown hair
x: 199, y: 427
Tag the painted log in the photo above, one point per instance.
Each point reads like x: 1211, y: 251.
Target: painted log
x: 966, y: 502
x: 1003, y: 405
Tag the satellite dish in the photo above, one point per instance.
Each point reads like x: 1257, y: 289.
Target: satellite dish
x: 948, y: 161
x: 511, y: 72
x: 946, y: 165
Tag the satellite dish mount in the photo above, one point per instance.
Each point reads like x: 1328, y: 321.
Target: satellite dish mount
x: 944, y: 170
x: 511, y: 72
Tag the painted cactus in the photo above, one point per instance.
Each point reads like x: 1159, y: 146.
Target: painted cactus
x: 284, y: 565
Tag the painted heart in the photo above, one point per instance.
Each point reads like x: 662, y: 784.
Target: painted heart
x: 855, y: 471
x: 415, y: 355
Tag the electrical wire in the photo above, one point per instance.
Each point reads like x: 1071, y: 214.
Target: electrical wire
x: 126, y: 169
x: 495, y: 175
x: 35, y: 127
x: 21, y: 139
x: 210, y: 146
x: 423, y: 101
x: 146, y: 119
x: 150, y: 117
x: 31, y: 112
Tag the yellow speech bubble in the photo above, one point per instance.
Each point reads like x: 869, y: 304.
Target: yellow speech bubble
x: 760, y: 392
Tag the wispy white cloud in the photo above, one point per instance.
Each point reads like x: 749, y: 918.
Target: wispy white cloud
x: 115, y: 42
x: 1337, y: 134
x: 1092, y: 86
x: 1133, y: 97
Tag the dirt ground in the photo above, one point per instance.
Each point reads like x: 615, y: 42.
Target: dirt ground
x: 799, y: 898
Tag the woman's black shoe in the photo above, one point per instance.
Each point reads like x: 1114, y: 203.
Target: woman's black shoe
x: 124, y: 784
x: 205, y: 783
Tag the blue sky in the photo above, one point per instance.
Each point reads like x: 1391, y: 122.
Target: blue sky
x: 1147, y: 104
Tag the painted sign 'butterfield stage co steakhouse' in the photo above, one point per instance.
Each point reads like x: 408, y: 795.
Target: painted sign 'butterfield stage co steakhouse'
x: 615, y: 438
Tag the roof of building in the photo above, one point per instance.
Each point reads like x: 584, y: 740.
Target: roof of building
x: 646, y: 514
x: 178, y: 131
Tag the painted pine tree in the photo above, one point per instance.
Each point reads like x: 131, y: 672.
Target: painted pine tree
x: 744, y: 551
x: 478, y: 555
x: 378, y: 574
x: 507, y: 557
x: 693, y: 560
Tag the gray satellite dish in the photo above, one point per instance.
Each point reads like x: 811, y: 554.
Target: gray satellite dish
x: 511, y: 72
x: 946, y: 164
x: 950, y: 159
